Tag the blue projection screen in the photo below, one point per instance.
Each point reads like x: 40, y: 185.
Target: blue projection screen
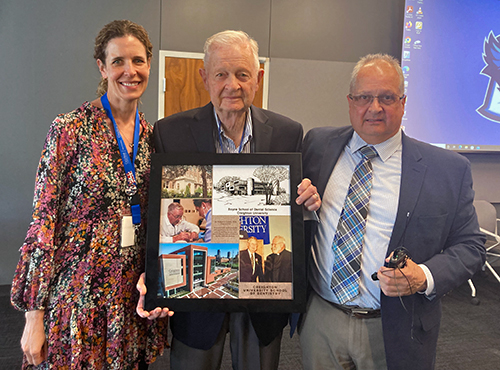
x: 451, y: 64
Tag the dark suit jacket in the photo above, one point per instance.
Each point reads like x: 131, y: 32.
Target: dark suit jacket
x: 192, y: 131
x: 246, y: 269
x: 278, y: 268
x: 440, y: 231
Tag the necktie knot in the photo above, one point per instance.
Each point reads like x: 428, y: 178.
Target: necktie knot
x: 368, y: 152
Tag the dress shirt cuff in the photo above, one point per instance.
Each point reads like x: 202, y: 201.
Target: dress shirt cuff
x: 430, y: 292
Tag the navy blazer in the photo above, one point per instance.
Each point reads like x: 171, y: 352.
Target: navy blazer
x: 435, y: 221
x: 192, y: 131
x: 246, y: 273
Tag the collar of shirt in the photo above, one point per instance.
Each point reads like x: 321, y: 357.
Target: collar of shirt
x: 227, y: 143
x: 385, y: 149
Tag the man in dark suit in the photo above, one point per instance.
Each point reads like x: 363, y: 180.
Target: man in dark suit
x: 278, y: 265
x: 251, y: 262
x: 421, y: 198
x: 228, y: 124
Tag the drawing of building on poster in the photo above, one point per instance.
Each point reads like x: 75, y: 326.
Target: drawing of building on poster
x: 251, y: 190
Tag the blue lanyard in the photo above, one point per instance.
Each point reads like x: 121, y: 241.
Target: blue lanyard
x: 241, y: 142
x: 128, y: 164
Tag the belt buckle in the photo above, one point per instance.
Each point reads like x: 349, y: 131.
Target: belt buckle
x: 365, y: 313
x: 359, y: 311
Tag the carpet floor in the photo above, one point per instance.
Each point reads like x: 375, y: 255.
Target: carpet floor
x: 469, y: 338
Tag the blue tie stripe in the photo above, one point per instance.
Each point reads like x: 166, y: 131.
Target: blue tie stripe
x: 348, y: 241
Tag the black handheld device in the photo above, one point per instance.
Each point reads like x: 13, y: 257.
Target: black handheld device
x: 397, y: 260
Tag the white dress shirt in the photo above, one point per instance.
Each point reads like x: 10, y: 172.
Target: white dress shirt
x: 167, y: 230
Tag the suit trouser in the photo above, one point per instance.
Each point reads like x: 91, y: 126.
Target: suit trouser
x: 331, y: 339
x: 246, y: 353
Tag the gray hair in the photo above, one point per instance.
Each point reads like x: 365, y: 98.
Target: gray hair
x: 280, y: 239
x: 174, y: 206
x: 370, y: 58
x: 229, y: 38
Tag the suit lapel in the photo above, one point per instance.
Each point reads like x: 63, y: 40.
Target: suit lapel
x: 412, y: 177
x: 202, y: 129
x: 261, y: 131
x: 331, y: 155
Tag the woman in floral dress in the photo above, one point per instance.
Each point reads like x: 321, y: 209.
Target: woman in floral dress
x: 81, y: 258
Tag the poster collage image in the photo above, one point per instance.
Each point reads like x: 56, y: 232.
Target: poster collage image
x: 225, y: 232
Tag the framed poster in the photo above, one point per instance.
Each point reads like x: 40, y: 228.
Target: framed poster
x: 225, y: 233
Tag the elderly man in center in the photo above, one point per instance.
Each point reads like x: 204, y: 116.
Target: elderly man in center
x: 229, y: 124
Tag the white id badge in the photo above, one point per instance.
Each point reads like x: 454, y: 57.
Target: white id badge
x: 128, y: 232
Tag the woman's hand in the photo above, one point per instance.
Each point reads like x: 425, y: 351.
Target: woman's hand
x: 158, y: 312
x: 33, y: 341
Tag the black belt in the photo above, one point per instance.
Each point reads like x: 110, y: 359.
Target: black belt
x: 358, y: 312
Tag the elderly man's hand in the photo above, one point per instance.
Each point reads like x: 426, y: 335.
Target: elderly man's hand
x: 183, y: 235
x: 396, y: 282
x: 158, y: 312
x: 308, y: 195
x: 193, y: 236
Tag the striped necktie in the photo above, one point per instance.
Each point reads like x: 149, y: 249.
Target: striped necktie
x: 348, y: 240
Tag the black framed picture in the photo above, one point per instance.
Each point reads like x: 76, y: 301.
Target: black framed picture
x: 225, y: 233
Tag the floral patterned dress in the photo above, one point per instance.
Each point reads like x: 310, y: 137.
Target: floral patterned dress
x: 71, y: 264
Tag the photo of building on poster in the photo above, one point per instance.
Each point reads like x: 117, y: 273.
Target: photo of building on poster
x: 197, y: 270
x: 225, y: 232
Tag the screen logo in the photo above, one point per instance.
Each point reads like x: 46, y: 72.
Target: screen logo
x: 407, y: 40
x: 406, y: 54
x: 408, y: 25
x: 418, y: 25
x: 406, y: 69
x: 491, y: 56
x: 409, y: 9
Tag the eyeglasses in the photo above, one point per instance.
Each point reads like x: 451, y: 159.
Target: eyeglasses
x: 179, y: 216
x: 363, y: 100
